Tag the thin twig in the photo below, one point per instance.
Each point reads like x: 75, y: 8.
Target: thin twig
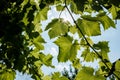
x: 87, y: 40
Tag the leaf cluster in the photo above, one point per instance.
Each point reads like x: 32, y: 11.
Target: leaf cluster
x: 21, y: 43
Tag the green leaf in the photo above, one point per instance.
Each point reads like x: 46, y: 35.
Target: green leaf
x: 41, y: 15
x: 106, y: 22
x: 84, y: 43
x: 67, y: 50
x: 90, y: 28
x: 46, y: 59
x: 57, y: 27
x: 89, y: 18
x: 47, y: 77
x: 87, y: 73
x: 103, y: 68
x: 73, y: 7
x: 77, y: 64
x: 60, y: 7
x: 113, y: 11
x: 88, y: 56
x: 57, y: 76
x: 73, y: 29
x: 104, y: 49
x: 38, y: 42
x: 117, y: 66
x: 80, y: 4
x: 7, y: 75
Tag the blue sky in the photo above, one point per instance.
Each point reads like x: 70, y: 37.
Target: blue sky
x: 111, y: 35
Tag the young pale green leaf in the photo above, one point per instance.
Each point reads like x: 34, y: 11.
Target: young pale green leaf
x: 90, y: 28
x: 57, y: 27
x: 67, y: 50
x: 88, y: 56
x: 106, y: 22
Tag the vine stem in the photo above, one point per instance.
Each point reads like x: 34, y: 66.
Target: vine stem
x: 87, y: 40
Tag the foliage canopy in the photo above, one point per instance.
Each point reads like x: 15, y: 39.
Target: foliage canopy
x: 21, y: 43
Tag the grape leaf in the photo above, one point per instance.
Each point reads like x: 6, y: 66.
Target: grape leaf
x: 73, y: 30
x: 103, y: 69
x: 76, y: 64
x: 56, y: 76
x: 106, y: 21
x: 59, y: 7
x: 67, y: 50
x: 46, y: 59
x: 87, y: 73
x: 7, y: 75
x: 117, y: 68
x: 38, y: 42
x: 73, y: 7
x: 88, y: 56
x: 57, y: 27
x: 104, y: 49
x: 90, y: 28
x: 113, y: 11
x: 46, y: 77
x: 41, y: 15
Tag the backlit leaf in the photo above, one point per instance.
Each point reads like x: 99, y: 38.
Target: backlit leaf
x: 67, y: 50
x: 104, y: 49
x: 113, y: 11
x: 46, y: 77
x: 60, y: 8
x: 7, y: 75
x: 87, y: 73
x: 106, y: 22
x: 57, y: 76
x: 73, y: 30
x: 41, y: 15
x: 46, y: 59
x: 117, y: 66
x: 73, y: 8
x: 38, y: 42
x: 77, y: 64
x: 90, y: 28
x: 88, y: 56
x: 57, y: 27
